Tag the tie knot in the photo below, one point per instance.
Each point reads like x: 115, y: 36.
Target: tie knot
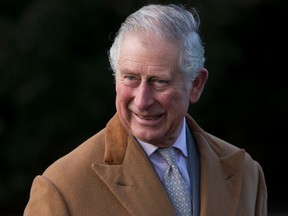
x: 168, y: 154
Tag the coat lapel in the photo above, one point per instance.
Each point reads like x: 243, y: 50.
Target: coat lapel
x: 130, y: 176
x: 220, y: 173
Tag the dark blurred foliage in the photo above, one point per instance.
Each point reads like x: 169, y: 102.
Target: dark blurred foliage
x: 56, y: 87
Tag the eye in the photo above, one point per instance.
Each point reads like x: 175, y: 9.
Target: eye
x: 130, y: 80
x: 131, y: 77
x: 159, y: 82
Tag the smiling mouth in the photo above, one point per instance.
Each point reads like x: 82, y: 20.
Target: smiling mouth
x: 149, y: 118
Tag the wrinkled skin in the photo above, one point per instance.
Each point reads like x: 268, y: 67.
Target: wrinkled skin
x: 151, y: 96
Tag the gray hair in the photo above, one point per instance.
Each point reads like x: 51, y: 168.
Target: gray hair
x: 172, y: 22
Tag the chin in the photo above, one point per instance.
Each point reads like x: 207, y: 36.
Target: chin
x: 147, y: 137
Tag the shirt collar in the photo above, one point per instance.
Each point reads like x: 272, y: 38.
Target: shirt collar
x: 180, y: 143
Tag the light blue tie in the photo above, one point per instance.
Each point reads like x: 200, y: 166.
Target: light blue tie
x: 175, y: 185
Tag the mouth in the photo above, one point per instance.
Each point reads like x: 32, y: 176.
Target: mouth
x: 149, y: 120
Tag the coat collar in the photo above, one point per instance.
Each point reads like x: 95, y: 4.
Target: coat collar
x: 221, y: 167
x: 128, y: 173
x: 130, y: 176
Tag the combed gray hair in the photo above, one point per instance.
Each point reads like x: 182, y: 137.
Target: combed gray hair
x: 172, y: 22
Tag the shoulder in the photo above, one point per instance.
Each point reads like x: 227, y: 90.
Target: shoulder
x: 79, y: 159
x: 212, y: 144
x: 220, y: 146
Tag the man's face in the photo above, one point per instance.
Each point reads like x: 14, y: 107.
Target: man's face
x: 151, y: 98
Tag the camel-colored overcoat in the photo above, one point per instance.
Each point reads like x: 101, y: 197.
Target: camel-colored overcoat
x: 109, y: 174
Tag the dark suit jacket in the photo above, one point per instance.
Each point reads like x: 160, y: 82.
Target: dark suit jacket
x: 109, y: 174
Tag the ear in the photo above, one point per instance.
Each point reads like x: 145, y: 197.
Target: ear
x: 198, y: 85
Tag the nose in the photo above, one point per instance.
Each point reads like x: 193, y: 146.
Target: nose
x: 143, y: 97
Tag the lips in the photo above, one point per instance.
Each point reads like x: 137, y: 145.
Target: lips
x: 149, y: 117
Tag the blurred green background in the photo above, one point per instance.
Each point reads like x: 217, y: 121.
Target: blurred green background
x: 56, y: 88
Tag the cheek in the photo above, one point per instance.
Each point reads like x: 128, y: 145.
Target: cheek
x: 123, y: 94
x: 177, y: 103
x: 175, y: 97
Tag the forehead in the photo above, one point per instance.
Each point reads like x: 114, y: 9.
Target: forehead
x: 148, y: 51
